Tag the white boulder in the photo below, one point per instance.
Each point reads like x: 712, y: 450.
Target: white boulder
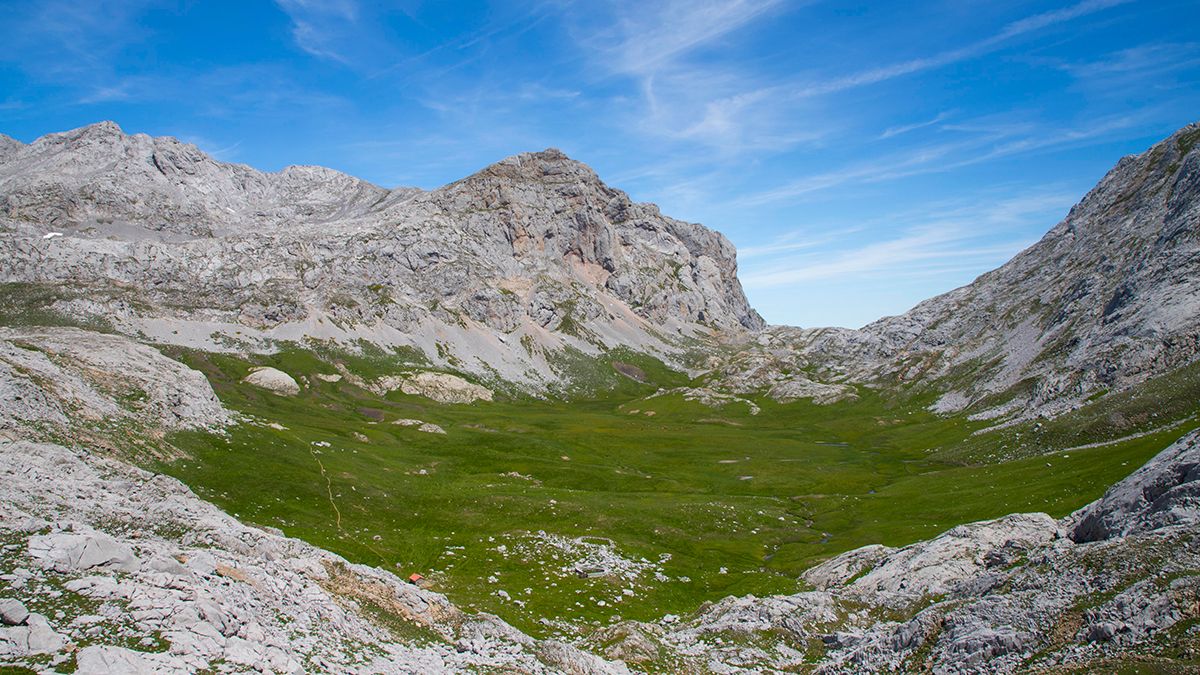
x: 273, y: 380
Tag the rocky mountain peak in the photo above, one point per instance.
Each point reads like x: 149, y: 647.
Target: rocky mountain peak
x: 551, y: 210
x: 8, y: 145
x: 495, y: 273
x: 99, y: 178
x: 106, y: 129
x: 549, y: 167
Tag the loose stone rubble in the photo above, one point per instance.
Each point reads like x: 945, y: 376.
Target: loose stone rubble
x: 123, y: 570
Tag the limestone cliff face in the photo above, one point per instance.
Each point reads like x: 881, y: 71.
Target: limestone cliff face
x: 545, y: 211
x: 1107, y: 298
x: 494, y: 274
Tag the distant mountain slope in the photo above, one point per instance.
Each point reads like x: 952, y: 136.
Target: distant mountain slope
x: 1108, y: 298
x: 97, y: 174
x: 502, y: 274
x: 515, y: 271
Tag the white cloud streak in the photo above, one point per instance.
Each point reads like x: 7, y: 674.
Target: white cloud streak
x: 1015, y: 29
x: 986, y: 146
x: 959, y: 237
x: 891, y: 132
x: 318, y: 24
x: 650, y: 41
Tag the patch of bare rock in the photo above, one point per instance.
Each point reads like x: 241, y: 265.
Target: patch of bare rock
x: 419, y: 425
x: 444, y: 388
x: 66, y: 376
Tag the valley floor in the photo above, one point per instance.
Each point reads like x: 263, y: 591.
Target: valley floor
x: 643, y: 525
x: 677, y: 502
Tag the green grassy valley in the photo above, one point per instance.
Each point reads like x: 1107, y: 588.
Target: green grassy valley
x: 676, y: 502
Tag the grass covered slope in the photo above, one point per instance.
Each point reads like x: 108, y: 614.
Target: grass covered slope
x: 679, y: 502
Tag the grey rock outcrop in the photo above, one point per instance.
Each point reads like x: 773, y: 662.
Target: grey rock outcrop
x: 78, y: 551
x: 444, y: 388
x: 1164, y: 492
x: 65, y: 376
x: 8, y: 146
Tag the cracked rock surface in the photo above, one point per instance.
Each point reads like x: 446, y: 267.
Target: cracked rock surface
x: 131, y: 572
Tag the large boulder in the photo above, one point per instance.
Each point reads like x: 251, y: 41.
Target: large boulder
x: 273, y: 380
x: 1164, y: 492
x: 12, y: 612
x: 81, y: 551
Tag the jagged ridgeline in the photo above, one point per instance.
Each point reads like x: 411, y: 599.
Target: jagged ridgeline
x: 553, y: 411
x: 507, y: 274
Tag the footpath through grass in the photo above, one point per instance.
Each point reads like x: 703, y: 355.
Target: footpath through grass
x: 679, y: 503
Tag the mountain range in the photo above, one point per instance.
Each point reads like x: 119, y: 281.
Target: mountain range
x: 145, y: 287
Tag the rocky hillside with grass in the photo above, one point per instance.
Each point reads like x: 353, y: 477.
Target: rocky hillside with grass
x: 107, y: 568
x: 1111, y: 588
x: 520, y: 273
x: 112, y: 568
x: 508, y: 274
x: 307, y: 353
x: 1106, y: 300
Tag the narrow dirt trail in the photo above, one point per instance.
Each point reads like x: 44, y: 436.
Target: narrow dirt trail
x: 337, y: 513
x: 329, y: 491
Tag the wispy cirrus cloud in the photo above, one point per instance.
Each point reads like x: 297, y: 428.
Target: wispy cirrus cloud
x: 986, y: 143
x: 734, y: 109
x: 686, y: 94
x: 963, y: 235
x: 794, y: 242
x: 318, y: 25
x: 1127, y: 73
x: 70, y: 41
x: 907, y: 128
x: 644, y: 40
x: 1013, y: 30
x: 913, y: 253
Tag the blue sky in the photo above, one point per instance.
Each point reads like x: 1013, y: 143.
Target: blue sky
x: 861, y: 155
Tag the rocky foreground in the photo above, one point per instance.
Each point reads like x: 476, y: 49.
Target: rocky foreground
x: 1116, y: 582
x: 118, y: 570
